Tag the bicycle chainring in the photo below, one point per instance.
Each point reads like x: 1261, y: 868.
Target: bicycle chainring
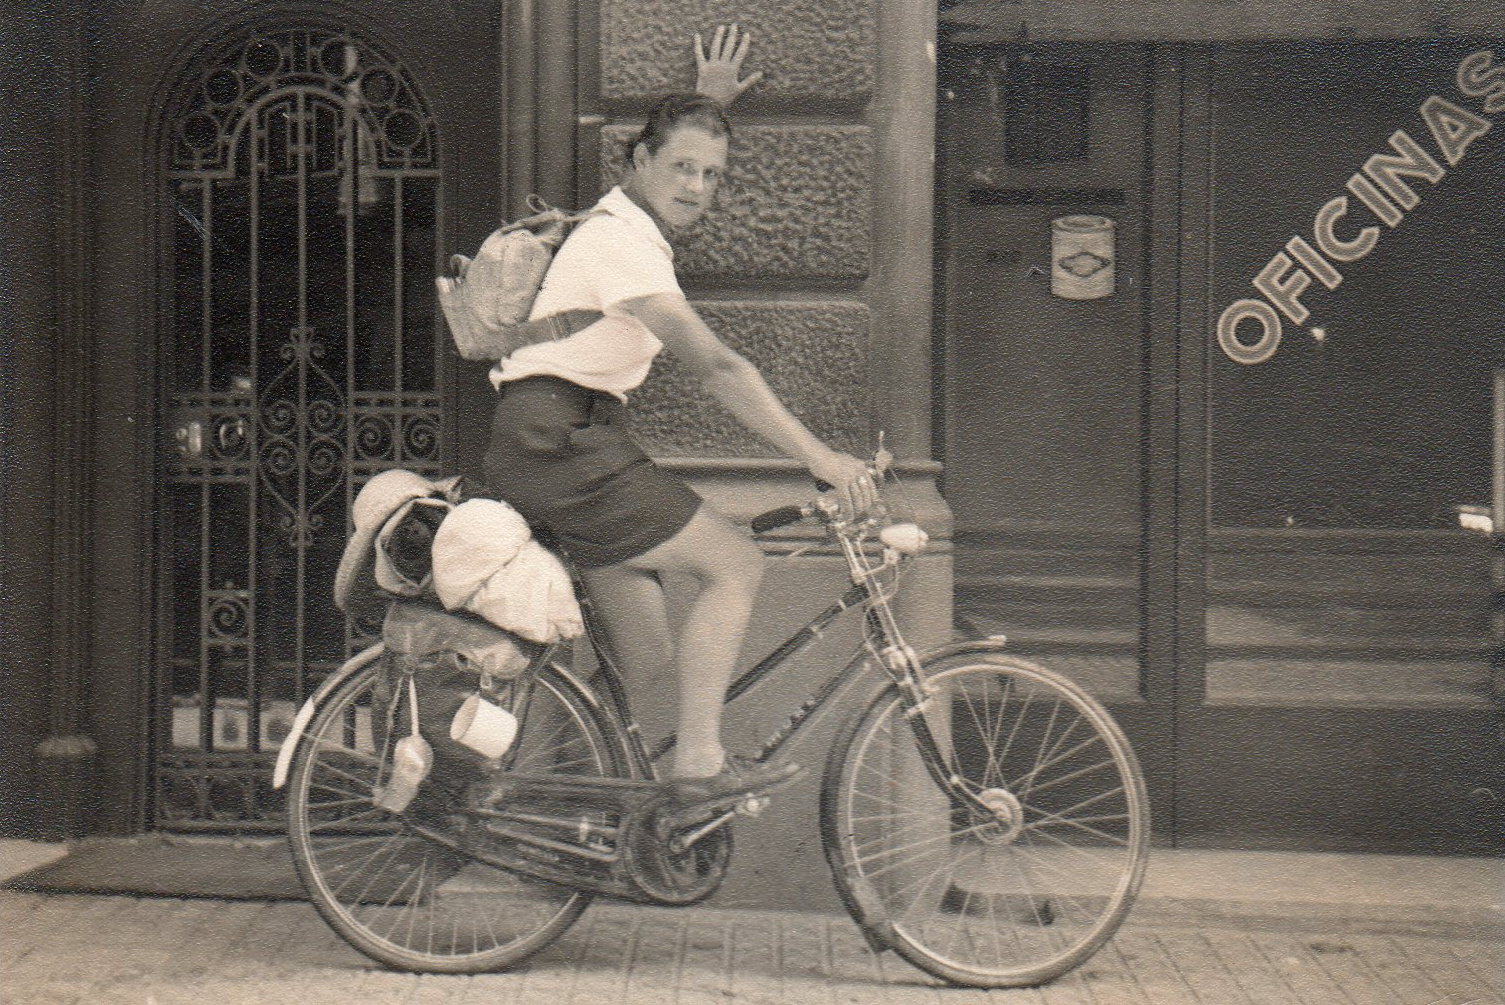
x: 674, y: 879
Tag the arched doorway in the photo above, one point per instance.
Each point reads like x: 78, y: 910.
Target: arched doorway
x: 300, y: 354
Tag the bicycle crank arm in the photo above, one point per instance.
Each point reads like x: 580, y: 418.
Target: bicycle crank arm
x: 681, y: 843
x: 695, y: 814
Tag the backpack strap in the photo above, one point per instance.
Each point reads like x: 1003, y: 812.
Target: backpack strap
x: 555, y: 326
x: 548, y: 218
x: 569, y: 322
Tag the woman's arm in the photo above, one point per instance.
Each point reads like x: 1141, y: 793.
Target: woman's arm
x: 738, y: 386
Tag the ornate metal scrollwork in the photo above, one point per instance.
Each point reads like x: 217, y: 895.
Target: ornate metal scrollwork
x: 303, y: 166
x: 397, y: 130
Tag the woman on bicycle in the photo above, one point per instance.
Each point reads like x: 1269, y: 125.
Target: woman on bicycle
x: 561, y: 455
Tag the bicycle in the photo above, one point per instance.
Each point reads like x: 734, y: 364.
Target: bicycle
x: 982, y: 816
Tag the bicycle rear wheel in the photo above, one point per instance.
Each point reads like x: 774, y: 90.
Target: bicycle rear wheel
x: 1013, y: 894
x: 399, y: 898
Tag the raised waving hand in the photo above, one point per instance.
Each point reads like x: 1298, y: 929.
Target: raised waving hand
x: 717, y: 68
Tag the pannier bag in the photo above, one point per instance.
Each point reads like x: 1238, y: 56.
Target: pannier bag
x: 487, y: 301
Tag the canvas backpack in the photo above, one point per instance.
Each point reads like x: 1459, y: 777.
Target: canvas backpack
x: 487, y: 301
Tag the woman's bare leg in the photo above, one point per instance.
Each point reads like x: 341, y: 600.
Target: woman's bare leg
x: 726, y: 567
x: 630, y: 605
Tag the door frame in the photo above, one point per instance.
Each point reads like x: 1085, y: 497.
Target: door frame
x: 119, y: 678
x: 1173, y: 594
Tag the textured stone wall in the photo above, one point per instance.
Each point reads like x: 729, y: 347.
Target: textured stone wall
x: 795, y: 204
x: 813, y: 355
x: 823, y: 51
x: 779, y: 267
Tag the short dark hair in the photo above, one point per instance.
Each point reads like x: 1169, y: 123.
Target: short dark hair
x: 678, y: 110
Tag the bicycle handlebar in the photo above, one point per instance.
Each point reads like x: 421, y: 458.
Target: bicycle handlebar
x: 780, y: 516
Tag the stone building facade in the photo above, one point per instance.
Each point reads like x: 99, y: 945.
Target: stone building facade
x: 190, y: 287
x: 1256, y: 565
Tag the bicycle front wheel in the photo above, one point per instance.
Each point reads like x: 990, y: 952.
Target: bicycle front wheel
x: 396, y: 896
x: 1018, y: 886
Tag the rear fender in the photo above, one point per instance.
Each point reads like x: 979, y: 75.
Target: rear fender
x: 306, y: 713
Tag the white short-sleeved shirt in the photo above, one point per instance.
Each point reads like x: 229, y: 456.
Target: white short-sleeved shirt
x: 614, y: 256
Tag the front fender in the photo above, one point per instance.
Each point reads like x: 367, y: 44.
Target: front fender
x: 300, y: 723
x: 966, y: 647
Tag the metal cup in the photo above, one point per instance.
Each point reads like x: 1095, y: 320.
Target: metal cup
x: 412, y: 759
x: 483, y: 726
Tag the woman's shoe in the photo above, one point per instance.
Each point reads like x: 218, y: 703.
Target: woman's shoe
x: 739, y: 776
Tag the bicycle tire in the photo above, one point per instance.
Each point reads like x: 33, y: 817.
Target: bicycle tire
x: 405, y: 901
x: 1012, y: 898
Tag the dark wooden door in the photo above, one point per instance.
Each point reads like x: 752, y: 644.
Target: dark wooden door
x: 1257, y: 565
x: 1344, y: 696
x: 1044, y: 424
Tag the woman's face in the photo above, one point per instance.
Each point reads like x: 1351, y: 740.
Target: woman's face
x: 680, y: 180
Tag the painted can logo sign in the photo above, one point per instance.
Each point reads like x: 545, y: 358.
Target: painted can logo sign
x: 1081, y: 257
x: 1388, y: 186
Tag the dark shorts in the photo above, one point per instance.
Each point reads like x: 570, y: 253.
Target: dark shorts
x: 561, y: 456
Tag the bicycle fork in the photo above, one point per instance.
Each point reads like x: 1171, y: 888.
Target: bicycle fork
x: 903, y: 665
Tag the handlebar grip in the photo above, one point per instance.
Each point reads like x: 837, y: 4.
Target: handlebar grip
x: 774, y: 518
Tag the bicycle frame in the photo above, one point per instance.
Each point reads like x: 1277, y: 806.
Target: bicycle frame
x: 883, y: 643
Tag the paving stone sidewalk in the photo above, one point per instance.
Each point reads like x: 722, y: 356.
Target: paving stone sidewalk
x: 71, y: 948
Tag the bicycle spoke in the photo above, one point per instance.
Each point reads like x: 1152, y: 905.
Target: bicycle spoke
x: 389, y: 890
x: 998, y: 755
x: 1013, y: 730
x: 1051, y: 819
x: 327, y: 805
x: 340, y: 773
x: 329, y: 848
x: 1095, y: 832
x: 1044, y: 757
x: 1081, y: 805
x: 887, y: 837
x: 1027, y: 786
x: 1027, y: 887
x: 988, y: 898
x: 386, y: 848
x: 371, y: 813
x: 984, y: 729
x: 914, y: 846
x: 919, y: 886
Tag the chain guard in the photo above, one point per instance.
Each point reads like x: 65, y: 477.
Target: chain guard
x: 638, y: 866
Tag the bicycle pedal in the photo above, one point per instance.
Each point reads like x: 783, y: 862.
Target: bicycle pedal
x: 753, y: 806
x: 687, y: 816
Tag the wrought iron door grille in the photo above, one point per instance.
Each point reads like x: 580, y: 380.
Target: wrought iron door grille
x: 304, y: 184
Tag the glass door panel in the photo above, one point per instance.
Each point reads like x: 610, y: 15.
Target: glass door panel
x: 1352, y: 335
x: 1337, y: 569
